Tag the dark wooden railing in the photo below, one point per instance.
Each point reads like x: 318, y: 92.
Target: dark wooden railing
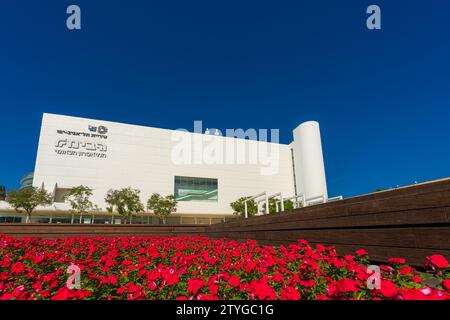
x: 71, y: 230
x: 410, y: 222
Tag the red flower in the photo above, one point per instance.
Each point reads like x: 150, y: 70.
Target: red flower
x: 348, y: 257
x: 194, y: 267
x: 388, y: 289
x: 6, y: 296
x: 411, y: 294
x: 62, y: 294
x: 361, y: 252
x: 202, y: 296
x: 397, y: 260
x: 121, y: 290
x: 437, y: 260
x: 263, y: 291
x: 446, y: 284
x: 17, y: 267
x: 234, y: 281
x: 406, y: 270
x: 127, y: 262
x: 195, y: 284
x: 439, y: 295
x: 277, y: 277
x: 347, y: 285
x: 171, y: 277
x: 112, y: 279
x: 250, y: 266
x: 289, y: 294
x: 426, y: 291
x: 151, y: 285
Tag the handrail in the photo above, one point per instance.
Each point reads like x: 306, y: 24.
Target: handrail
x: 313, y: 200
x: 302, y: 196
x: 337, y: 198
x: 255, y: 197
x: 278, y: 194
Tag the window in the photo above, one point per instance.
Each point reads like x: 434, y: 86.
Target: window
x: 196, y: 189
x: 10, y: 219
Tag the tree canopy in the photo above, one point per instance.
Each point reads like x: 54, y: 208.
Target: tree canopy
x: 79, y: 199
x: 27, y: 199
x: 126, y: 202
x: 162, y: 206
x: 239, y: 207
x: 288, y: 205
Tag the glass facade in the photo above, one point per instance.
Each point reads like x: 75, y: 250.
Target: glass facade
x: 196, y: 189
x: 27, y: 180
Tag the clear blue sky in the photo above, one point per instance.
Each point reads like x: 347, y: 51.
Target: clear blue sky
x: 382, y: 97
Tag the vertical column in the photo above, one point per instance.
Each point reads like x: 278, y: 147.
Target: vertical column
x: 308, y: 160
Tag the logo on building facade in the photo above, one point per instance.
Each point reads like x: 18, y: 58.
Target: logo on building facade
x: 100, y: 129
x: 83, y: 147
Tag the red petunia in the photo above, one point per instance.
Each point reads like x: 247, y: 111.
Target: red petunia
x: 127, y: 262
x: 438, y: 260
x: 194, y: 285
x: 264, y: 292
x: 277, y: 277
x: 348, y: 257
x: 446, y: 284
x: 17, y: 267
x: 202, y: 296
x: 411, y: 294
x: 387, y: 289
x: 234, y: 281
x: 345, y: 285
x: 289, y: 294
x: 397, y: 260
x: 406, y: 270
x: 417, y: 279
x: 121, y: 290
x: 62, y: 294
x: 171, y: 278
x: 194, y: 267
x: 361, y: 252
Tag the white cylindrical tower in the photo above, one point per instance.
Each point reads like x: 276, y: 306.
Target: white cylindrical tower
x: 308, y: 161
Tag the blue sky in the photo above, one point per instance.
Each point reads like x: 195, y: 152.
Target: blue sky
x: 382, y: 97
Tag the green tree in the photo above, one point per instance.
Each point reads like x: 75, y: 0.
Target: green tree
x: 126, y: 202
x: 288, y: 205
x: 162, y: 206
x: 239, y: 207
x: 27, y: 199
x: 79, y: 200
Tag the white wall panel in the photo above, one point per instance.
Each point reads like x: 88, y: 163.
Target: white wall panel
x: 140, y: 157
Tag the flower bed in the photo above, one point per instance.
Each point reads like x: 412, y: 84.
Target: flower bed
x: 202, y: 268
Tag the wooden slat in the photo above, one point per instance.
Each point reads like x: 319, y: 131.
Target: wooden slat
x: 426, y: 238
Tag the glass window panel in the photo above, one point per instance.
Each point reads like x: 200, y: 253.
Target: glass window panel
x: 196, y: 189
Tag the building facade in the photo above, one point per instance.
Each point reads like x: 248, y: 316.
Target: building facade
x: 27, y: 180
x: 205, y: 172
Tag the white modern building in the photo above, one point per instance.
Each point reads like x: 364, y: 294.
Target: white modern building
x: 205, y: 170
